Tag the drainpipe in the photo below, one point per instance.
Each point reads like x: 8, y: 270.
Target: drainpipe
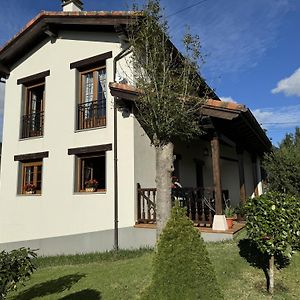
x: 122, y: 54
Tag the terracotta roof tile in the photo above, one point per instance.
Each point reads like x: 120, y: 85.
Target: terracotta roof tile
x: 123, y: 86
x: 210, y: 102
x: 227, y: 105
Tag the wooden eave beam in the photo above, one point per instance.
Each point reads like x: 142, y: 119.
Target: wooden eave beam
x: 257, y: 131
x: 50, y: 31
x: 4, y: 70
x: 219, y: 113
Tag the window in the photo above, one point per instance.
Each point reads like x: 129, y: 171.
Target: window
x: 31, y: 177
x: 92, y: 102
x: 32, y: 123
x: 91, y: 174
x: 33, y: 116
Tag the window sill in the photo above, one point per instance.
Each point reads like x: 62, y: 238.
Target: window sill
x: 26, y: 195
x: 89, y: 193
x: 31, y: 138
x: 89, y: 129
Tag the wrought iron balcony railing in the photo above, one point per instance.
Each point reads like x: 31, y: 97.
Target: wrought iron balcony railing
x: 33, y: 125
x: 91, y: 114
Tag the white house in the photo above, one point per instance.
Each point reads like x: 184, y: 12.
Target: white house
x: 62, y: 130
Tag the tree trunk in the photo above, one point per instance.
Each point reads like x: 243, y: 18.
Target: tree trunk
x: 271, y: 275
x: 164, y: 169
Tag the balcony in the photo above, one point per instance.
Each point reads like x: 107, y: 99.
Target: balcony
x: 33, y: 125
x: 91, y: 114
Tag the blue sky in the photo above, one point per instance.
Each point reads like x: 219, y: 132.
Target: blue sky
x: 251, y: 47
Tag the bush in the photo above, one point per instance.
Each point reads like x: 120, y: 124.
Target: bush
x: 182, y: 269
x: 15, y: 267
x: 273, y: 223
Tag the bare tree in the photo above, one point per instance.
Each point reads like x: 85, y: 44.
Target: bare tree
x: 171, y: 93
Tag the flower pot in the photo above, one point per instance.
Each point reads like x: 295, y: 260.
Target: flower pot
x: 229, y: 222
x: 90, y: 189
x: 30, y: 192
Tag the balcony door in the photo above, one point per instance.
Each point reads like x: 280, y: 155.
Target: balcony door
x: 92, y: 106
x: 33, y: 111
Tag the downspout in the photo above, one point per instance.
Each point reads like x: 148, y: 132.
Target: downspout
x: 122, y: 54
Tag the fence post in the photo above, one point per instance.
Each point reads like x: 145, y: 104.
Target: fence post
x: 138, y: 203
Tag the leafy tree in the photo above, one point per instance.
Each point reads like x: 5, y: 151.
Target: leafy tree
x: 15, y: 267
x: 273, y: 223
x: 182, y: 269
x: 283, y: 165
x: 172, y: 93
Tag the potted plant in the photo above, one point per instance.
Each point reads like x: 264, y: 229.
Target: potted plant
x: 229, y: 214
x: 91, y: 185
x: 240, y: 211
x: 30, y: 188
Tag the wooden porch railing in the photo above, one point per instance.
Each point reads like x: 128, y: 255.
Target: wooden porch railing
x: 199, y: 203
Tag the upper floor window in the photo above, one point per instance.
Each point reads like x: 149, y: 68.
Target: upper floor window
x: 92, y: 91
x: 92, y: 104
x: 32, y: 123
x: 33, y: 117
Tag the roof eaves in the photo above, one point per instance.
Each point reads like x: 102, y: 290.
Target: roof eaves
x: 49, y: 14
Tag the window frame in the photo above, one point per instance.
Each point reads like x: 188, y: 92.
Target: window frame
x: 79, y: 179
x: 35, y: 164
x: 83, y: 123
x: 28, y: 99
x: 26, y: 131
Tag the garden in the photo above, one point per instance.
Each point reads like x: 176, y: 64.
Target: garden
x: 124, y: 275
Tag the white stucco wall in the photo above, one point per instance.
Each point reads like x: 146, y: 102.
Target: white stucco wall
x: 248, y: 175
x: 144, y: 158
x: 59, y: 211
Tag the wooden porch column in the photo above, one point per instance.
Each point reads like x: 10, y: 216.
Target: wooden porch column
x: 215, y: 151
x: 254, y: 172
x: 241, y: 174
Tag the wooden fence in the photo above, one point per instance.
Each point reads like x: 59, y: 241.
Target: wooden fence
x: 199, y: 204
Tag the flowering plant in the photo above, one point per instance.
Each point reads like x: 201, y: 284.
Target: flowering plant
x: 29, y: 187
x: 92, y: 183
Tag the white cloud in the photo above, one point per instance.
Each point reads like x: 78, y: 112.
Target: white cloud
x: 278, y: 117
x: 228, y: 99
x: 290, y: 86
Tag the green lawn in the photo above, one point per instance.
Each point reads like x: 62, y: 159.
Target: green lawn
x: 124, y: 275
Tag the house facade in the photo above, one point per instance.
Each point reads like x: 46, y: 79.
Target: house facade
x: 71, y: 158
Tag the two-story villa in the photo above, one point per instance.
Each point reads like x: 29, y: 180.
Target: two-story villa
x: 77, y: 170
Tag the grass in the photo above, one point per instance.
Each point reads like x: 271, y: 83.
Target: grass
x: 124, y: 274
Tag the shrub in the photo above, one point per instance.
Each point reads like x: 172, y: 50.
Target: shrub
x: 15, y: 267
x: 273, y: 223
x: 182, y: 269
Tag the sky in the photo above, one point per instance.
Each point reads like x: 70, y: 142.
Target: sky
x: 251, y: 49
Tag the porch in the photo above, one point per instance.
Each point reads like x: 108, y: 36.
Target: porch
x: 200, y: 207
x: 224, y: 163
